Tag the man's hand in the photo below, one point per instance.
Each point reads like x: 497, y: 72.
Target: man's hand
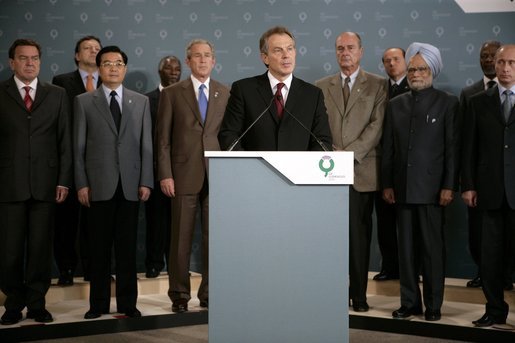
x: 83, y: 195
x: 470, y: 198
x: 60, y: 194
x: 446, y: 196
x: 168, y: 187
x: 143, y: 193
x: 389, y: 195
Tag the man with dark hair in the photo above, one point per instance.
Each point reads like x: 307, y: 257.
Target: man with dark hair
x: 112, y: 145
x: 419, y: 174
x: 35, y: 174
x: 276, y: 129
x: 158, y: 207
x: 397, y: 83
x: 70, y: 217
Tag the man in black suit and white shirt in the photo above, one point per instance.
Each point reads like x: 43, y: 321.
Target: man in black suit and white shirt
x: 158, y: 207
x: 70, y: 217
x: 487, y: 182
x: 486, y: 60
x: 276, y: 129
x: 35, y: 174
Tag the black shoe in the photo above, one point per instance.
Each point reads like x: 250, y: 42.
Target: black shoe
x: 65, y: 278
x: 404, y: 313
x: 486, y: 321
x: 11, y: 317
x: 432, y: 315
x: 204, y: 303
x: 40, y: 316
x: 180, y: 306
x: 152, y: 273
x: 135, y: 313
x: 92, y: 314
x: 360, y: 306
x: 475, y: 282
x: 384, y: 276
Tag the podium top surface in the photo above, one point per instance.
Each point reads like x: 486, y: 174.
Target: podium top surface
x: 302, y: 167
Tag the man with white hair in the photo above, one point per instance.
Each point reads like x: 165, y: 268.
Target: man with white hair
x: 419, y: 172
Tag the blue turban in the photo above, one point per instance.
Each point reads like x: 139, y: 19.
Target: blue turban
x: 429, y: 53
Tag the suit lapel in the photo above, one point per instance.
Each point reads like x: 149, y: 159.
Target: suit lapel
x: 127, y: 109
x: 77, y: 80
x: 41, y: 93
x: 188, y: 94
x: 212, y: 104
x: 100, y: 101
x: 266, y: 95
x: 13, y: 91
x: 336, y: 92
x: 357, y: 89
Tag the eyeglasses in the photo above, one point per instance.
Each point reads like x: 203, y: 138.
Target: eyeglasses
x: 421, y: 70
x: 113, y: 64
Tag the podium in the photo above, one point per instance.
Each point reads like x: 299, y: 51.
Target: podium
x: 278, y: 246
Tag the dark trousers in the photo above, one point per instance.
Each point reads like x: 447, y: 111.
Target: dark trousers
x: 184, y: 208
x: 158, y: 219
x: 387, y: 235
x: 70, y: 219
x: 361, y: 205
x: 113, y: 222
x: 421, y: 243
x: 497, y: 245
x: 26, y: 252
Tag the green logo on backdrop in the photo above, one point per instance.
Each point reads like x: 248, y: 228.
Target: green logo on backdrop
x: 322, y: 163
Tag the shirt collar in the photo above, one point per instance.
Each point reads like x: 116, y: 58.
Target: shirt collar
x: 352, y: 76
x: 274, y: 82
x: 20, y: 84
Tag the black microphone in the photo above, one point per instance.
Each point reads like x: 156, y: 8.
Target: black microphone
x: 237, y: 140
x: 322, y: 145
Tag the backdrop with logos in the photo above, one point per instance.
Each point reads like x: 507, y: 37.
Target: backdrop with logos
x: 147, y: 30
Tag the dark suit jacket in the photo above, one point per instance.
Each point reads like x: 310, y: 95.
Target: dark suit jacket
x: 420, y: 146
x: 103, y: 155
x: 35, y: 147
x: 72, y: 83
x: 401, y: 89
x: 489, y: 152
x: 182, y: 138
x: 249, y: 97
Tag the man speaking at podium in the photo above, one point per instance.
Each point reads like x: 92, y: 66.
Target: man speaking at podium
x: 275, y: 110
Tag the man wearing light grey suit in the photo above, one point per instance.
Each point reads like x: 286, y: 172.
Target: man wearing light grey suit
x: 113, y: 171
x: 355, y: 102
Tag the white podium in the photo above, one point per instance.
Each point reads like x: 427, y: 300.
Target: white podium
x: 278, y: 246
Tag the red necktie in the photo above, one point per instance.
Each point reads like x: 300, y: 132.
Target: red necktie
x: 27, y: 99
x: 89, y: 83
x: 279, y: 103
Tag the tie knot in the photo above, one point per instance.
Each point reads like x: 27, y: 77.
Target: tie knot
x: 202, y: 86
x: 507, y: 92
x: 113, y: 93
x: 490, y: 84
x: 27, y: 89
x: 347, y: 79
x: 280, y: 86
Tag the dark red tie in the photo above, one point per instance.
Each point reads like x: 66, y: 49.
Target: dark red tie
x: 27, y: 99
x: 279, y: 102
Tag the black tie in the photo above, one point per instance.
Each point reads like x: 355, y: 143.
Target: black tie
x: 490, y: 84
x: 393, y: 90
x: 115, y: 110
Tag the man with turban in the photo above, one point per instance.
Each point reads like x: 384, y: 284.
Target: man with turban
x: 419, y: 174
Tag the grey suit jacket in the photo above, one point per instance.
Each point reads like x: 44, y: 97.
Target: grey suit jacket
x: 102, y: 154
x: 359, y: 126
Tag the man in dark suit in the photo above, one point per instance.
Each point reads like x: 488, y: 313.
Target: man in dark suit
x: 356, y: 125
x: 158, y: 207
x: 487, y: 182
x: 277, y: 129
x: 397, y: 83
x: 35, y: 173
x: 112, y: 147
x: 419, y: 174
x: 68, y: 213
x: 486, y: 60
x: 189, y: 118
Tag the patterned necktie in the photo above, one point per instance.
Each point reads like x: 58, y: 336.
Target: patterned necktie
x: 278, y: 99
x: 507, y: 104
x: 202, y: 102
x: 89, y: 83
x: 115, y: 110
x: 27, y: 99
x: 346, y: 91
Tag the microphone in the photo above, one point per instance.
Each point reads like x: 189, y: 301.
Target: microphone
x: 237, y: 140
x: 322, y: 145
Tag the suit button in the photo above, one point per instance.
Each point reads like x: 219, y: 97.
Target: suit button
x: 506, y: 146
x: 409, y: 165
